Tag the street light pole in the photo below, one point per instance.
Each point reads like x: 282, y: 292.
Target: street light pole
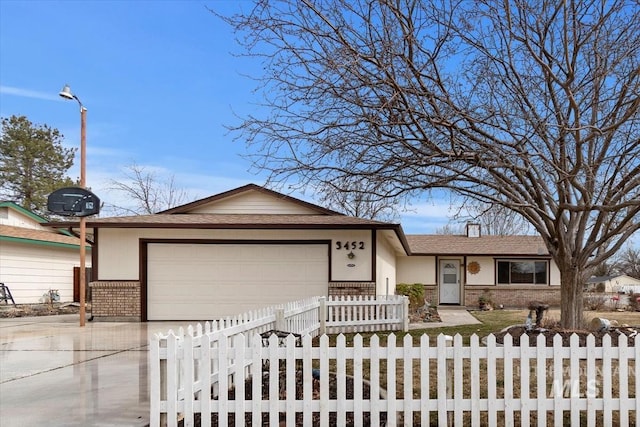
x: 67, y: 94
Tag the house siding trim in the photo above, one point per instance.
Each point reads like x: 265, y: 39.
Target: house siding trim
x: 374, y: 257
x: 40, y: 242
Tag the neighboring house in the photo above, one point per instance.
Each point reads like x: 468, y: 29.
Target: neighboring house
x: 620, y: 283
x: 33, y: 258
x: 252, y: 247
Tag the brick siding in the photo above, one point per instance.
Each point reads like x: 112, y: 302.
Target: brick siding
x: 513, y: 296
x: 352, y: 288
x: 115, y: 300
x: 431, y: 294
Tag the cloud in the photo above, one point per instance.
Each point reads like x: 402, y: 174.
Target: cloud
x: 27, y: 93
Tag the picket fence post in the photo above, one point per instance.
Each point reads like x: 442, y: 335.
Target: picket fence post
x: 448, y: 339
x: 280, y: 324
x: 323, y: 315
x: 405, y: 314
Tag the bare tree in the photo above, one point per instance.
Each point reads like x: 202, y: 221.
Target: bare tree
x: 450, y: 229
x: 146, y: 192
x: 628, y: 262
x: 529, y: 105
x: 605, y: 269
x: 495, y: 220
x: 354, y: 198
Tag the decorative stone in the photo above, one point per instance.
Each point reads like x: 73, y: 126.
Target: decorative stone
x: 539, y: 307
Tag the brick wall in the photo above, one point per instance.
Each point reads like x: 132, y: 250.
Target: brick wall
x: 352, y: 288
x: 513, y: 296
x: 431, y: 294
x: 115, y: 300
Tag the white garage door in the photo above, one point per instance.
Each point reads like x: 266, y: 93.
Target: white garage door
x: 208, y: 281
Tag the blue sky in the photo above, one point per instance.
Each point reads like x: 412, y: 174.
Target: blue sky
x: 159, y: 81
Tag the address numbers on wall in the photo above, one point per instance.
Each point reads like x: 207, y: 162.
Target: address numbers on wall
x: 348, y: 246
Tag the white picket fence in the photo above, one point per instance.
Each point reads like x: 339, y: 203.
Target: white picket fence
x: 202, y: 379
x: 176, y: 358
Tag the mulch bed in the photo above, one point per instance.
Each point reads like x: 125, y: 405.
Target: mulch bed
x: 517, y: 331
x: 315, y: 418
x: 424, y: 314
x: 29, y: 310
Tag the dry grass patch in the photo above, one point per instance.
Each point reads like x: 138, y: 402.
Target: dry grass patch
x: 494, y: 321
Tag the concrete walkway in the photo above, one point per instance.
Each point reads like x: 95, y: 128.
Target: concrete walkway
x: 450, y: 316
x: 55, y: 373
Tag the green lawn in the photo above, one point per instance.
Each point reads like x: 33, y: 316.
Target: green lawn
x: 494, y: 321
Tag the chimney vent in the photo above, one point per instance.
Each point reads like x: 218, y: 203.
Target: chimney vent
x: 473, y: 229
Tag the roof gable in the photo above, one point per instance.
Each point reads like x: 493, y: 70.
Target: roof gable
x: 12, y: 214
x: 18, y: 224
x: 251, y: 199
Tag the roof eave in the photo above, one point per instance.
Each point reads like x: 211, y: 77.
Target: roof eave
x: 201, y: 226
x: 502, y: 254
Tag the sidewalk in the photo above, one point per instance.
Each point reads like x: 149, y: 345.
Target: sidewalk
x: 455, y: 316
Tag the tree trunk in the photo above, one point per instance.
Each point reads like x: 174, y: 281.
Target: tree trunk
x: 571, y: 291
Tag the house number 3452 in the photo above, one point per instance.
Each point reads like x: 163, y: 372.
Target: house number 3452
x: 349, y: 245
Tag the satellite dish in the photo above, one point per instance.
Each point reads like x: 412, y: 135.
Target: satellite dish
x: 73, y: 201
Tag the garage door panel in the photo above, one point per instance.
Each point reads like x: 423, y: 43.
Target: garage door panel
x: 207, y: 281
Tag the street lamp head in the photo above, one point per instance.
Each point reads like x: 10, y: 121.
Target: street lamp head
x: 66, y: 92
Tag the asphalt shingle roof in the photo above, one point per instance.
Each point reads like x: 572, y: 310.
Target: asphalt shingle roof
x: 38, y: 235
x: 485, y: 245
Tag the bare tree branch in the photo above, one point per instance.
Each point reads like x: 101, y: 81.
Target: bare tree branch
x: 528, y: 105
x: 147, y: 193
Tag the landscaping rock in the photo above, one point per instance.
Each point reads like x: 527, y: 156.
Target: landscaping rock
x: 549, y: 334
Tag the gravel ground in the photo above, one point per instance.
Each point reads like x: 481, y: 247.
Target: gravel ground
x: 28, y: 310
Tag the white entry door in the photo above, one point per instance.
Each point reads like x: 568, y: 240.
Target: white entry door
x: 449, y: 281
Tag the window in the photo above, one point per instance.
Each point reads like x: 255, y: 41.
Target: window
x: 528, y: 272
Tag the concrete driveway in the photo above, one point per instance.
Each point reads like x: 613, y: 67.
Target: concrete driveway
x: 55, y: 373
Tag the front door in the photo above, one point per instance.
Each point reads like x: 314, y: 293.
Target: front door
x: 449, y: 281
